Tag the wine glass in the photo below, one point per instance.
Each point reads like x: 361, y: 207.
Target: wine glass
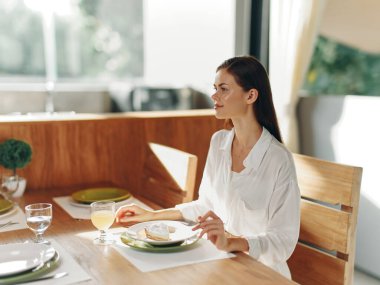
x: 102, y: 217
x: 38, y: 219
x: 9, y: 185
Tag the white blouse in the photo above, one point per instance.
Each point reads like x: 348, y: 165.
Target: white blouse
x: 261, y: 203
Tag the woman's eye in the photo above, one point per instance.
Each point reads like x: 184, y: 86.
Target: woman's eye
x: 224, y: 89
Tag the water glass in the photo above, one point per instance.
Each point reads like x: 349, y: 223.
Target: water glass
x: 38, y: 219
x: 102, y: 217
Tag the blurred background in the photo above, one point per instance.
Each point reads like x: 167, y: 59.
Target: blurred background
x: 101, y: 56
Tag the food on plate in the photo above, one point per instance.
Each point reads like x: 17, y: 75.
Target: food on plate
x: 159, y: 231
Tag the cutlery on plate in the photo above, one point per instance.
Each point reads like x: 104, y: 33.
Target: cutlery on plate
x: 54, y: 276
x: 8, y: 224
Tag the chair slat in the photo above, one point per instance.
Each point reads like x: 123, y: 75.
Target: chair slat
x: 153, y: 168
x: 324, y: 227
x: 175, y: 161
x: 168, y: 176
x: 313, y: 267
x: 323, y: 180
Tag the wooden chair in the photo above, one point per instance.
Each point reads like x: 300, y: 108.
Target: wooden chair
x: 325, y: 252
x: 168, y: 176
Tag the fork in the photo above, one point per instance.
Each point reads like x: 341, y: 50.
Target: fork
x: 9, y: 223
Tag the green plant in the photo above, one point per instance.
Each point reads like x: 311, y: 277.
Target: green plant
x: 15, y: 154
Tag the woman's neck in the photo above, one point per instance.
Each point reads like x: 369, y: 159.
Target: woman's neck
x: 247, y: 132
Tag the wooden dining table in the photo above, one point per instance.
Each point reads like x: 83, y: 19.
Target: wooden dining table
x: 106, y: 266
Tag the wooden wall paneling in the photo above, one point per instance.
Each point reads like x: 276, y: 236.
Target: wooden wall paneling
x: 90, y: 150
x: 128, y: 157
x: 69, y: 153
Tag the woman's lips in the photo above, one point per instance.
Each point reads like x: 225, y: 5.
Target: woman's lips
x: 217, y: 106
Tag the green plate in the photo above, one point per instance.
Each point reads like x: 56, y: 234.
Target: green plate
x: 5, y: 205
x: 35, y: 273
x: 143, y: 246
x: 87, y: 196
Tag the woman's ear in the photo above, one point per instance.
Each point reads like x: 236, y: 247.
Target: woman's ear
x: 252, y: 96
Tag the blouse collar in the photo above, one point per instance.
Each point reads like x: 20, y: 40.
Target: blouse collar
x: 256, y: 155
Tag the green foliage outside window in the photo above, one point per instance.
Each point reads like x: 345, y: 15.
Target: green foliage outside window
x: 340, y: 70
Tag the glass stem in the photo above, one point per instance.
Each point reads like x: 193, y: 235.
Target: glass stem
x: 103, y: 235
x: 39, y: 237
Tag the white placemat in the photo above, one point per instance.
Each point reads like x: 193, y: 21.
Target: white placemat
x: 15, y: 215
x: 152, y: 261
x: 84, y: 213
x: 69, y: 265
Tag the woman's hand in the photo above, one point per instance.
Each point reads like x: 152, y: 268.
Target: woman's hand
x: 213, y: 226
x: 132, y: 214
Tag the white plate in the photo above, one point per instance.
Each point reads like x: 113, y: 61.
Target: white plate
x: 19, y: 257
x: 182, y: 232
x: 10, y: 212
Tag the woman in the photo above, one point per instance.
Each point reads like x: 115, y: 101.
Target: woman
x: 249, y: 198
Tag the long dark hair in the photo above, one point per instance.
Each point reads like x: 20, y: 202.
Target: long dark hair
x: 250, y: 74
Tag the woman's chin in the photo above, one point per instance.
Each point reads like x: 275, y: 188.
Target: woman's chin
x: 219, y: 115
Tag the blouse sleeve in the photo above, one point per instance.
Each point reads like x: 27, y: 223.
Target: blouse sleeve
x: 192, y: 210
x: 277, y: 243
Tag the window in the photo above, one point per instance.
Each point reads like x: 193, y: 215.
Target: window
x: 111, y: 47
x: 77, y: 39
x: 339, y: 69
x: 21, y: 41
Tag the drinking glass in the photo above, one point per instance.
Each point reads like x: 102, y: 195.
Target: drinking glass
x: 38, y: 219
x: 102, y: 217
x: 9, y: 185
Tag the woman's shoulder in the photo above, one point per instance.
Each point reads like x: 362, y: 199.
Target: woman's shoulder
x: 280, y: 153
x: 220, y: 140
x: 220, y: 135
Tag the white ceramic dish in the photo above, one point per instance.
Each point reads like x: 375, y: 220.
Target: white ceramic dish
x: 181, y: 233
x: 20, y: 257
x: 9, y: 213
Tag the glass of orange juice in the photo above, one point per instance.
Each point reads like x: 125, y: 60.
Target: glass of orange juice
x: 102, y: 217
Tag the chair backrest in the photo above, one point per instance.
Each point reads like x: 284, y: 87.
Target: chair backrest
x: 168, y: 176
x: 325, y: 252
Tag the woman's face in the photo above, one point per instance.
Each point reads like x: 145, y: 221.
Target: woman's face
x: 230, y: 100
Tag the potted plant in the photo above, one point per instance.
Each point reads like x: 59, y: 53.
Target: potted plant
x: 15, y: 154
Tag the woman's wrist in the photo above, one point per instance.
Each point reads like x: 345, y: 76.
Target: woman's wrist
x: 237, y: 244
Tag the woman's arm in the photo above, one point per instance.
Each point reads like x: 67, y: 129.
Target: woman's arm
x: 277, y: 243
x: 168, y: 214
x: 132, y: 214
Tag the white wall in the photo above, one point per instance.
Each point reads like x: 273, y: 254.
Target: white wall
x: 184, y: 41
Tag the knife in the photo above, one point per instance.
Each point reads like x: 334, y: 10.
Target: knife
x: 55, y: 276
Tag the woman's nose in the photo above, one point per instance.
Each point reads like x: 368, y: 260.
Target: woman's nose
x: 214, y: 96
